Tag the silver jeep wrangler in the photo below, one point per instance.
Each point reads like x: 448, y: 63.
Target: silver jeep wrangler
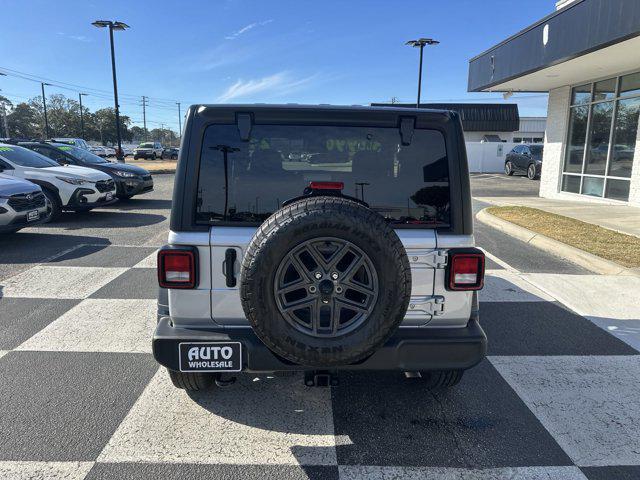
x: 319, y: 239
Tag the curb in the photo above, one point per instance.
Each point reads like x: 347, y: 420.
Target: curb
x: 559, y: 249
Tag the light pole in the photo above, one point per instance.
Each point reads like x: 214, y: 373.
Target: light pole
x: 420, y: 43
x: 114, y: 26
x: 44, y: 106
x: 80, y: 95
x: 4, y: 113
x: 179, y: 122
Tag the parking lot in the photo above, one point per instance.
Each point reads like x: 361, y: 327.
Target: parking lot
x: 82, y: 396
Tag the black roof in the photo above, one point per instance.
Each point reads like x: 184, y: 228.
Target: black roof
x: 476, y: 117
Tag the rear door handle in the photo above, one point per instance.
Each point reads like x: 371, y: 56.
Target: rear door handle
x: 229, y: 267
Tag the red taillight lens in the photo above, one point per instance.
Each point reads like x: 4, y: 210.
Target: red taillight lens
x: 466, y: 271
x: 177, y: 268
x: 326, y: 185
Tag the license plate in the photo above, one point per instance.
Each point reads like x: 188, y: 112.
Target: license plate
x: 108, y: 196
x: 33, y: 215
x: 210, y: 356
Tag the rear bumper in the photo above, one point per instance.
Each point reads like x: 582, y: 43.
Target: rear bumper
x: 410, y: 349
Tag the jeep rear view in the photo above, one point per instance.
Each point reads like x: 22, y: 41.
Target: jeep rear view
x: 319, y: 239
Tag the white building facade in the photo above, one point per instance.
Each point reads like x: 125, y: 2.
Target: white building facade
x: 586, y: 56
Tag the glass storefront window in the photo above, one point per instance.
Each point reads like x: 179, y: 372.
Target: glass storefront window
x: 604, y: 120
x: 571, y: 183
x: 581, y: 95
x: 625, y: 138
x: 605, y: 90
x: 601, y: 115
x: 618, y: 189
x: 577, y: 139
x: 630, y: 85
x: 592, y: 186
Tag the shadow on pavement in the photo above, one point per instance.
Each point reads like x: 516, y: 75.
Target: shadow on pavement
x: 26, y: 247
x: 104, y: 219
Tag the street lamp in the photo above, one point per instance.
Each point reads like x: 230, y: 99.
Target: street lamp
x: 80, y: 95
x: 114, y: 26
x: 420, y: 43
x: 44, y: 106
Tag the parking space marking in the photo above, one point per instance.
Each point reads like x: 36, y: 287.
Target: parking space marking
x: 97, y: 325
x: 435, y: 473
x: 588, y: 403
x: 45, y: 470
x: 507, y: 286
x: 46, y: 281
x: 148, y: 262
x: 3, y: 353
x: 268, y: 421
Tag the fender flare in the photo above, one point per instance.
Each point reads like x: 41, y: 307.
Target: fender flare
x: 46, y: 185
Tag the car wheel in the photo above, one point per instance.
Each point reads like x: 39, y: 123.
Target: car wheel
x: 192, y: 381
x: 153, y: 156
x: 439, y: 379
x: 55, y: 205
x: 508, y: 168
x: 174, y: 157
x: 135, y: 157
x: 325, y: 282
x: 531, y: 172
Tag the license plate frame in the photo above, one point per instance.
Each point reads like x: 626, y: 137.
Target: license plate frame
x: 33, y: 215
x: 207, y: 354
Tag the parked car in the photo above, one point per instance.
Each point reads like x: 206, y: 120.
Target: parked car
x: 22, y: 204
x: 321, y: 281
x: 130, y: 179
x: 525, y: 159
x: 127, y: 151
x: 110, y: 151
x: 78, y: 142
x: 150, y: 150
x: 170, y: 153
x: 66, y: 187
x: 100, y: 151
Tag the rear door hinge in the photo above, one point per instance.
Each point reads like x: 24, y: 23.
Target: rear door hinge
x: 432, y: 305
x: 430, y: 258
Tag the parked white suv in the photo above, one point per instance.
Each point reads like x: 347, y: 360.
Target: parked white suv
x: 22, y: 204
x: 66, y: 187
x: 150, y: 150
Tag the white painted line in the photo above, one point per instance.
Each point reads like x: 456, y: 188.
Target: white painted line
x: 499, y: 261
x: 3, y: 353
x: 48, y: 281
x: 508, y: 286
x: 268, y: 421
x: 148, y: 262
x: 44, y: 470
x: 589, y: 404
x: 97, y: 325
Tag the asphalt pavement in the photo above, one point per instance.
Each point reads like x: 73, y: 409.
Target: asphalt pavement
x: 82, y: 397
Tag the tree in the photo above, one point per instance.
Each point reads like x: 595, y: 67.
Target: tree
x: 101, y: 126
x: 24, y: 122
x: 164, y: 136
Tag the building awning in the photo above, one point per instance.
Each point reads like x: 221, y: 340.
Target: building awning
x: 585, y: 40
x: 476, y: 117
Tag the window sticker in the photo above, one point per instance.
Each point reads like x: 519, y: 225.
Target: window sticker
x: 6, y: 149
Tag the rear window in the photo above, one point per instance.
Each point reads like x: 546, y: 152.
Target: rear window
x: 407, y: 185
x: 146, y: 145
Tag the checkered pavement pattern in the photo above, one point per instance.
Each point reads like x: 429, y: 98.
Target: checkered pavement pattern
x: 82, y: 397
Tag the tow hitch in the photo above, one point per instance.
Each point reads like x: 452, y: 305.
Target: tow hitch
x: 321, y: 378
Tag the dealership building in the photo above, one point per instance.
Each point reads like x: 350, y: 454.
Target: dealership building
x: 586, y: 55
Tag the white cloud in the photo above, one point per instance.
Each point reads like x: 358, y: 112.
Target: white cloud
x: 246, y: 28
x: 274, y: 85
x: 77, y: 38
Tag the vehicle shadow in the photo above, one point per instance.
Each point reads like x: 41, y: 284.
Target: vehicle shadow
x: 140, y: 203
x: 104, y: 219
x: 27, y: 247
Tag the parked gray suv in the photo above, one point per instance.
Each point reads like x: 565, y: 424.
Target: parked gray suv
x: 319, y: 239
x: 22, y: 204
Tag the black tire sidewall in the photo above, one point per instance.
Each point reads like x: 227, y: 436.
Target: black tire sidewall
x: 394, y: 284
x: 56, y: 207
x: 508, y: 168
x: 529, y: 168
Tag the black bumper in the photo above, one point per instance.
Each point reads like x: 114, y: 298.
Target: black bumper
x: 76, y: 199
x: 410, y: 349
x: 133, y: 186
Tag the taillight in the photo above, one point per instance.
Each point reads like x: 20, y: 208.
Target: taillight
x: 177, y: 267
x: 465, y: 270
x: 326, y: 185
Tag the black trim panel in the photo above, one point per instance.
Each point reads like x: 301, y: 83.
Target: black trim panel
x: 578, y: 29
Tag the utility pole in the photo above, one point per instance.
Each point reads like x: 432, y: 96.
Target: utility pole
x: 179, y: 122
x: 4, y: 113
x: 162, y: 132
x: 420, y: 43
x: 44, y: 106
x: 144, y: 115
x: 114, y: 26
x: 80, y: 95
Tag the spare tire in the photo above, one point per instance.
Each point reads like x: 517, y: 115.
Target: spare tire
x: 325, y: 282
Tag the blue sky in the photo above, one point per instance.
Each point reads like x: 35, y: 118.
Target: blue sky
x: 338, y: 52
